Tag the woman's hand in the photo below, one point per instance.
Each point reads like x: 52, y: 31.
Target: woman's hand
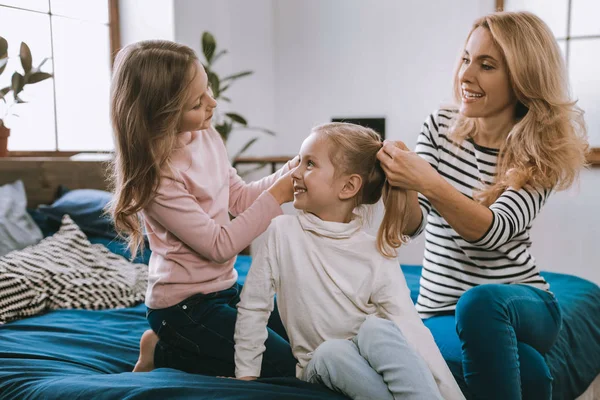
x: 406, y: 169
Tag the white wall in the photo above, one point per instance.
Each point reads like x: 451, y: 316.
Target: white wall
x: 146, y: 19
x: 566, y: 235
x: 316, y: 59
x: 356, y: 58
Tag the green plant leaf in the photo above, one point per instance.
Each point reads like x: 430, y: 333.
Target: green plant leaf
x: 19, y: 100
x: 209, y: 46
x: 227, y: 99
x: 218, y: 55
x: 224, y: 129
x: 18, y: 81
x: 246, y: 147
x: 3, y: 62
x: 237, y: 76
x: 4, y: 92
x: 25, y: 55
x: 237, y: 118
x: 37, y: 77
x: 3, y: 47
x: 224, y: 88
x: 215, y: 83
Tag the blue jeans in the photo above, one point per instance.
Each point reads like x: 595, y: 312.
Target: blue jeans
x: 196, y: 336
x: 504, y: 331
x: 378, y: 363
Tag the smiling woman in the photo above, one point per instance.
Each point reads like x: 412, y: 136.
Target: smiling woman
x: 483, y: 171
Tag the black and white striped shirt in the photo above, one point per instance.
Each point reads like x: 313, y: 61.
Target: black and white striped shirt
x: 452, y: 265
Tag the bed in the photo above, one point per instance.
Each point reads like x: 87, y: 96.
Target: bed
x: 83, y: 354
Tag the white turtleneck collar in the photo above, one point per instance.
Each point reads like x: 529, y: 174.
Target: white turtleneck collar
x: 333, y: 230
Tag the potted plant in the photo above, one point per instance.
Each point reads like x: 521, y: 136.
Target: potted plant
x: 227, y: 122
x: 29, y: 76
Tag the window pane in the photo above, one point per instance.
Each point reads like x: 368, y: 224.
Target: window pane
x: 553, y: 12
x: 585, y: 80
x: 90, y: 10
x: 584, y: 17
x: 33, y: 129
x: 36, y: 5
x: 82, y: 84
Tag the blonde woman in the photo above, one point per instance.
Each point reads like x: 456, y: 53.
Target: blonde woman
x: 479, y: 177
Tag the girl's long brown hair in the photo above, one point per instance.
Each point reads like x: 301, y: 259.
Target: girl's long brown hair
x: 148, y: 92
x: 354, y: 151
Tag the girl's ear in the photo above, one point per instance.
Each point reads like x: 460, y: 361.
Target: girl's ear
x: 351, y: 187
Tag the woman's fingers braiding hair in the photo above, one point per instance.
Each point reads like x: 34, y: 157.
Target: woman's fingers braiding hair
x: 399, y: 144
x: 390, y: 154
x: 398, y: 164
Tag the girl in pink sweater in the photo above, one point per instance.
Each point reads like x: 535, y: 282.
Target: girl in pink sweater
x: 172, y: 177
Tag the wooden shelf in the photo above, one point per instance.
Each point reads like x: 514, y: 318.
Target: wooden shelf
x: 274, y: 161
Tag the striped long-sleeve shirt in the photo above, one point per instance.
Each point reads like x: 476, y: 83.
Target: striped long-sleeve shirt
x: 451, y: 264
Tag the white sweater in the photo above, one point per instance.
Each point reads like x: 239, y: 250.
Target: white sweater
x: 328, y: 277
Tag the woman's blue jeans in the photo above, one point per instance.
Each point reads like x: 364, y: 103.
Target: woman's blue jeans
x: 504, y: 331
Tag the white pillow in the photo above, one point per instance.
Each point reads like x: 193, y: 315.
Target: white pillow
x: 17, y: 228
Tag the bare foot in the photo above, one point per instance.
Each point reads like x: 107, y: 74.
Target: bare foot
x: 147, y: 344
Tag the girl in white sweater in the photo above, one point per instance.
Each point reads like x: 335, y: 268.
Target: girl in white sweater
x: 342, y: 296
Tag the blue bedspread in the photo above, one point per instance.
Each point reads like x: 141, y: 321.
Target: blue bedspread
x: 77, y: 354
x: 80, y: 354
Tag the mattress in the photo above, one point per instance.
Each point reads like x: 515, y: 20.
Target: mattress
x: 80, y: 354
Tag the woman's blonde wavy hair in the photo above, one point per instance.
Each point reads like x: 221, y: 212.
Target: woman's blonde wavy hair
x: 353, y: 150
x: 148, y: 93
x: 546, y: 147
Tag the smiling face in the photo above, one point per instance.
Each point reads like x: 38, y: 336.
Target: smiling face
x: 316, y: 187
x: 200, y: 104
x: 483, y: 77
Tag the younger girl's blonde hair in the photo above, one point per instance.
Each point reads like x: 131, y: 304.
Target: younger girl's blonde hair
x: 546, y: 147
x: 353, y: 150
x: 148, y: 93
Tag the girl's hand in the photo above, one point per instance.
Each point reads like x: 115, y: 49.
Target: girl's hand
x: 294, y: 162
x: 283, y: 188
x: 406, y: 169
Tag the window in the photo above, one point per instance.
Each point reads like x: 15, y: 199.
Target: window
x: 69, y: 112
x: 576, y: 28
